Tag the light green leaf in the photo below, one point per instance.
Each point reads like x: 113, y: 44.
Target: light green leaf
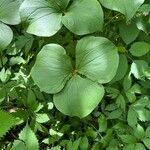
x: 145, y: 8
x: 9, y: 11
x: 42, y: 118
x: 131, y: 28
x: 132, y: 117
x: 143, y: 114
x: 122, y: 68
x: 147, y: 142
x: 78, y: 19
x: 6, y: 122
x: 139, y: 132
x: 45, y: 18
x: 52, y: 68
x: 139, y: 48
x: 29, y: 138
x: 127, y: 82
x: 94, y: 58
x: 138, y: 68
x: 126, y: 7
x: 139, y: 146
x: 42, y: 18
x: 6, y: 36
x: 120, y: 101
x: 147, y: 132
x: 79, y: 97
x: 17, y: 145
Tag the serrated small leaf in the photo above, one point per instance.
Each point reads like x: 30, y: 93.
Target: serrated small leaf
x: 6, y: 122
x: 29, y: 138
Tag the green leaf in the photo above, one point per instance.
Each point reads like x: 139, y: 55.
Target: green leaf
x: 9, y: 11
x: 139, y: 48
x: 139, y: 132
x: 6, y: 36
x: 17, y: 145
x: 120, y: 101
x: 131, y: 28
x: 129, y: 139
x: 143, y: 114
x: 79, y: 97
x: 138, y: 68
x: 42, y: 118
x: 28, y: 137
x: 52, y: 68
x: 127, y: 82
x: 132, y: 117
x: 145, y: 8
x: 94, y: 58
x: 102, y: 122
x: 79, y: 11
x: 139, y: 146
x: 31, y: 102
x: 41, y: 17
x: 146, y: 141
x: 126, y: 7
x: 6, y: 122
x: 147, y: 132
x: 115, y: 114
x: 129, y: 147
x: 45, y: 18
x: 122, y: 68
x: 84, y: 144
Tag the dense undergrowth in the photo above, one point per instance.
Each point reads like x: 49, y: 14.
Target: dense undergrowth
x: 74, y: 74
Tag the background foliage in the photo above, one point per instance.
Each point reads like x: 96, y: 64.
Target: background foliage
x: 119, y: 118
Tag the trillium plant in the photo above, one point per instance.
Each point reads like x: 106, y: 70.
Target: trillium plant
x: 74, y: 74
x: 73, y: 83
x: 76, y: 85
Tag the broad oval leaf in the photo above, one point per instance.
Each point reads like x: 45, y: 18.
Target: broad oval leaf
x: 52, y: 68
x: 139, y: 48
x: 79, y: 97
x: 6, y: 36
x: 125, y: 29
x: 97, y: 58
x: 80, y: 21
x: 126, y: 7
x: 43, y: 18
x: 9, y: 11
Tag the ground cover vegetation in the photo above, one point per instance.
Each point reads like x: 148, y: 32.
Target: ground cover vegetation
x: 74, y: 74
